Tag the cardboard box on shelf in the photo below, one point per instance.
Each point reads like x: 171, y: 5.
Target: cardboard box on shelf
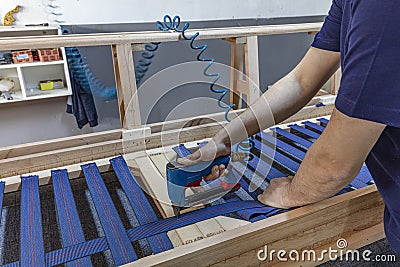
x: 22, y: 56
x: 50, y: 54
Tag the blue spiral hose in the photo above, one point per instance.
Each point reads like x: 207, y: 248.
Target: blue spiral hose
x: 55, y: 14
x: 147, y: 58
x: 173, y: 24
x: 81, y: 71
x: 79, y: 68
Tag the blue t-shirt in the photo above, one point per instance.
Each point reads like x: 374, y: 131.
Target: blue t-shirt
x: 367, y: 34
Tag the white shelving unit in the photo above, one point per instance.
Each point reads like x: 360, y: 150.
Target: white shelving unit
x: 27, y: 75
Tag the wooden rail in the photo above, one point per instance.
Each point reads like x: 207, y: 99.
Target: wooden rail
x: 149, y: 36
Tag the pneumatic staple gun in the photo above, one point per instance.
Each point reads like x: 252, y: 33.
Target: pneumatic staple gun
x: 181, y: 177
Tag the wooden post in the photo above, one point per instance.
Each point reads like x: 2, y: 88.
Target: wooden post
x: 252, y: 69
x: 125, y: 81
x: 237, y: 65
x: 335, y: 81
x: 244, y: 59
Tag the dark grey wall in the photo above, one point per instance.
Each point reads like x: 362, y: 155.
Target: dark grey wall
x: 33, y: 121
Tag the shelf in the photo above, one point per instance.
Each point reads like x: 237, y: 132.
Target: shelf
x: 39, y: 94
x: 26, y: 28
x: 28, y: 75
x: 8, y: 66
x: 17, y: 98
x: 32, y: 64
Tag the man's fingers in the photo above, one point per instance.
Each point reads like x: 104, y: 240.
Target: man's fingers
x: 261, y: 199
x: 214, y: 174
x: 222, y: 170
x: 190, y: 159
x: 272, y: 196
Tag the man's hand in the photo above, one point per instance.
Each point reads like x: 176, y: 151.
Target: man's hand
x: 209, y: 152
x: 276, y: 195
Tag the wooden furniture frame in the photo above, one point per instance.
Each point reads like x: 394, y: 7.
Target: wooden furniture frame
x: 356, y: 216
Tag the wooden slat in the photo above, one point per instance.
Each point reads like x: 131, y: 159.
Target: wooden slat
x: 190, y: 122
x: 59, y: 143
x: 72, y: 155
x: 311, y: 112
x: 156, y: 185
x: 146, y: 37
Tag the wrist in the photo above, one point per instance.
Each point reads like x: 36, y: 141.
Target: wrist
x: 296, y: 197
x: 222, y: 139
x: 221, y: 147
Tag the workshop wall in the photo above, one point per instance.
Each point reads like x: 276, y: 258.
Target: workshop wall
x: 40, y: 120
x: 133, y: 11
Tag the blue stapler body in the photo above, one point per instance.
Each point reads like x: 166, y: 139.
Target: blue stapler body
x: 180, y: 177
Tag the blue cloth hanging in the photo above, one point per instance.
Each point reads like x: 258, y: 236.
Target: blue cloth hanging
x: 82, y: 106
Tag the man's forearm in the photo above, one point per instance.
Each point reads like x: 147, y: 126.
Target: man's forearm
x: 320, y: 176
x: 284, y: 98
x: 333, y: 160
x: 279, y: 102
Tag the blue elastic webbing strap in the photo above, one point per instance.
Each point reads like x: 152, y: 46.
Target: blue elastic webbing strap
x: 172, y: 223
x: 142, y: 208
x: 298, y: 140
x: 367, y: 177
x: 68, y: 218
x: 303, y: 130
x: 361, y: 179
x: 77, y: 251
x: 324, y: 121
x: 263, y: 211
x: 201, y: 144
x: 119, y: 244
x: 12, y: 264
x: 300, y: 154
x: 1, y: 196
x: 244, y: 185
x: 31, y: 245
x: 284, y: 161
x: 295, y: 152
x: 181, y: 150
x: 314, y: 126
x: 264, y: 168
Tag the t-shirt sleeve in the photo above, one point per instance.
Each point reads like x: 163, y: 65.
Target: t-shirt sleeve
x: 370, y: 85
x: 328, y: 38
